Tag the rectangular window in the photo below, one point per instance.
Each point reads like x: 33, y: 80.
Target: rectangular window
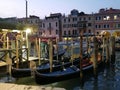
x: 89, y: 24
x: 64, y: 20
x: 43, y: 25
x: 73, y: 32
x: 68, y: 19
x: 115, y: 17
x: 119, y: 25
x: 104, y: 26
x: 96, y: 26
x: 56, y: 24
x: 99, y: 18
x: 49, y: 25
x: 69, y: 32
x: 64, y: 32
x: 79, y: 19
x: 99, y: 26
x: 108, y: 17
x: 104, y: 18
x: 89, y: 18
x: 56, y: 31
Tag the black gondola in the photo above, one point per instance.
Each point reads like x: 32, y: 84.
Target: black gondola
x: 63, y: 74
x: 45, y: 67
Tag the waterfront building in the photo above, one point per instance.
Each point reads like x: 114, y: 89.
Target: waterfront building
x: 32, y: 22
x: 51, y: 26
x: 107, y: 20
x: 76, y: 22
x: 61, y: 26
x: 69, y: 24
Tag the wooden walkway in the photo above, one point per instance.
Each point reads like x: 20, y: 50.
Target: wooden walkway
x: 2, y: 63
x: 8, y: 86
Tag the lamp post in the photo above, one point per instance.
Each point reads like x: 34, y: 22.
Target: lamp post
x: 27, y: 31
x: 26, y: 4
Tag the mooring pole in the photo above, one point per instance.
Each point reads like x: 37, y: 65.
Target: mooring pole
x: 107, y: 50
x: 72, y: 53
x: 103, y: 48
x: 81, y: 56
x: 36, y: 44
x: 50, y: 54
x: 39, y: 51
x: 57, y: 47
x: 17, y: 59
x: 95, y: 61
x: 113, y: 49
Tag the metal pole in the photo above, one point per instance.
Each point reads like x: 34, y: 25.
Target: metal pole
x: 26, y: 9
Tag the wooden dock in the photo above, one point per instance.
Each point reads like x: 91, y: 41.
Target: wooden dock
x: 10, y: 86
x: 2, y: 63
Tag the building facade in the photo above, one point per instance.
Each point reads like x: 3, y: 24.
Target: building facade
x: 32, y: 22
x: 107, y: 20
x: 58, y: 25
x: 51, y: 26
x: 76, y: 22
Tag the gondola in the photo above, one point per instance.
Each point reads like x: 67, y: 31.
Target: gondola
x: 45, y: 67
x: 64, y: 74
x: 59, y: 54
x: 55, y: 56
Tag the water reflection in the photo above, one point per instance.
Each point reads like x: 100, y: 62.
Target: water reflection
x: 108, y: 79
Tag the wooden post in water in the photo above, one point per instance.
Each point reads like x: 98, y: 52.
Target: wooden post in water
x: 17, y: 59
x: 103, y: 48
x: 88, y: 44
x: 95, y: 61
x: 113, y: 49
x: 57, y: 47
x: 81, y: 56
x: 36, y: 44
x: 39, y: 51
x: 21, y: 46
x: 68, y: 52
x: 7, y: 42
x: 4, y: 40
x: 50, y: 53
x: 107, y: 50
x: 72, y: 53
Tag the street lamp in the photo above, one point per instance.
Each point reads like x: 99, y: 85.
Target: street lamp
x: 26, y: 4
x: 28, y: 30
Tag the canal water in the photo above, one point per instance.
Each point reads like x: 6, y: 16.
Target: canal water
x: 108, y: 79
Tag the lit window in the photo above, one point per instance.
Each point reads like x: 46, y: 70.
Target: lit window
x: 108, y: 17
x: 115, y: 17
x: 104, y: 18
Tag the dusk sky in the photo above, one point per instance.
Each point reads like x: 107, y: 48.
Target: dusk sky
x: 42, y: 8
